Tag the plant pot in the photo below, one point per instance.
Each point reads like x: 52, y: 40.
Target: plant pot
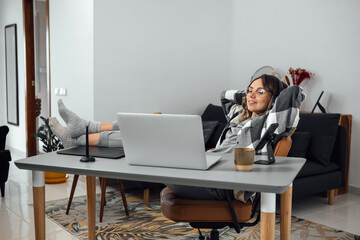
x: 53, y: 177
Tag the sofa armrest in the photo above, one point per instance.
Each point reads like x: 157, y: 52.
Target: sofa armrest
x: 283, y: 146
x: 338, y: 155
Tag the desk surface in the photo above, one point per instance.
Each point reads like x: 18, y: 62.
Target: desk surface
x: 273, y: 178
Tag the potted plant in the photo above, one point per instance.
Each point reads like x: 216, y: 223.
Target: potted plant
x: 50, y: 143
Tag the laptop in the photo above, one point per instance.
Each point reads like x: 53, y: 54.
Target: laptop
x: 165, y: 140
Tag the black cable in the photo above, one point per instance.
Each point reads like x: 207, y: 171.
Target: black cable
x: 232, y: 210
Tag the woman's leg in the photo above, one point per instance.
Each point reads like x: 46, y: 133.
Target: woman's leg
x: 94, y: 139
x: 77, y: 126
x: 109, y: 139
x: 107, y: 127
x: 103, y: 139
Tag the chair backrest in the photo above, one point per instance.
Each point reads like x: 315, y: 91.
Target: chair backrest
x: 3, y: 132
x: 282, y: 147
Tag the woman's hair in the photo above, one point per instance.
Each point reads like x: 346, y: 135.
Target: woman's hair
x: 272, y: 85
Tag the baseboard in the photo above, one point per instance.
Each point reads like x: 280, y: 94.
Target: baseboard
x: 354, y: 190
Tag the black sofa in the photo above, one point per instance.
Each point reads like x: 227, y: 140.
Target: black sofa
x: 5, y: 158
x: 318, y: 138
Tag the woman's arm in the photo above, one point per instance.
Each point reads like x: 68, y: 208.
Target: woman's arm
x: 285, y: 112
x: 231, y: 102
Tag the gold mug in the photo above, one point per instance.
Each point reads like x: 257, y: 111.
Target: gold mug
x: 244, y: 158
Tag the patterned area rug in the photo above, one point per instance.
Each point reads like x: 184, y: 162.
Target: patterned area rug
x: 147, y: 222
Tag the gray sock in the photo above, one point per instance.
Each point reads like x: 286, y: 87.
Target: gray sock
x: 61, y: 132
x: 110, y: 139
x: 76, y: 126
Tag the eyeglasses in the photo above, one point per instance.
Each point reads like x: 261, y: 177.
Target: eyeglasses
x: 258, y: 91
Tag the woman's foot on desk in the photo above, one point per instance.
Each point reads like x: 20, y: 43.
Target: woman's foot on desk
x: 76, y: 126
x: 61, y: 132
x: 102, y: 139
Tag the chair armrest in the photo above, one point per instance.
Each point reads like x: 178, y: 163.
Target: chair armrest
x: 5, y: 156
x: 338, y: 155
x: 282, y: 147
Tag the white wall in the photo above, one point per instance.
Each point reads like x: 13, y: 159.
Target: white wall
x: 174, y: 56
x: 10, y: 13
x: 322, y: 36
x: 177, y: 55
x: 71, y: 55
x: 160, y: 55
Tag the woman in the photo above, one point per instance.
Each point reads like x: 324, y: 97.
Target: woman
x: 251, y: 112
x: 249, y: 115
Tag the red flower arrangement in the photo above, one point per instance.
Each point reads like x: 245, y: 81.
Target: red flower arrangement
x: 298, y: 75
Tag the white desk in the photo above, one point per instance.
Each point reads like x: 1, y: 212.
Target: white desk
x: 268, y: 179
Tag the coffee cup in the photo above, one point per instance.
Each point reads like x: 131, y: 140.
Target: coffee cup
x: 244, y: 158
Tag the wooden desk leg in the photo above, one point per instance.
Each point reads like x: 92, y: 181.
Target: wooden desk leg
x: 38, y: 183
x: 285, y: 214
x: 91, y: 208
x: 146, y: 196
x: 268, y: 205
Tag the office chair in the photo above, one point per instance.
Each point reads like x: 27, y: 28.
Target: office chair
x: 213, y: 214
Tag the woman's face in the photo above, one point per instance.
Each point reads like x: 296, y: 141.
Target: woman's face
x: 257, y: 98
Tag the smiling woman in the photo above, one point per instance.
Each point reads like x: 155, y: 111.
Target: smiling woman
x: 250, y: 116
x: 260, y: 96
x: 257, y: 97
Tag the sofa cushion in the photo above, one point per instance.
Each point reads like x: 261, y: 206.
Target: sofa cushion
x: 300, y: 144
x: 315, y: 168
x: 208, y: 129
x: 214, y: 113
x: 215, y: 136
x: 323, y: 128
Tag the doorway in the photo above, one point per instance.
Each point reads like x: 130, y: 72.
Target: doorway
x: 41, y: 65
x: 37, y: 55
